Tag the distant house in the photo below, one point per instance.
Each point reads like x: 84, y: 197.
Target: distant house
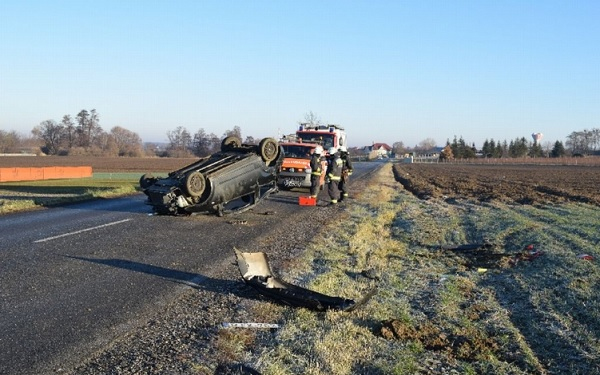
x: 428, y: 155
x: 377, y: 150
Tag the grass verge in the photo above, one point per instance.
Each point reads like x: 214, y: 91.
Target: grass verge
x: 525, y: 303
x: 23, y: 196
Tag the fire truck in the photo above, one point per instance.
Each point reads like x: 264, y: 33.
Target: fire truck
x: 295, y: 170
x: 325, y: 135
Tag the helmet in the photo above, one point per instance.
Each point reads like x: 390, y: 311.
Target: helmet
x: 332, y: 150
x: 343, y: 149
x: 318, y: 150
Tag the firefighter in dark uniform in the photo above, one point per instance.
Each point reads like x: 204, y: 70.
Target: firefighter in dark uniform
x: 346, y: 172
x: 334, y: 175
x: 317, y: 171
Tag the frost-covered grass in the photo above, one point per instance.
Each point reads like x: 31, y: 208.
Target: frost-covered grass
x: 442, y: 311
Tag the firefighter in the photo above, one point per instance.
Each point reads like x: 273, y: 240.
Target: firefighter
x: 334, y: 175
x: 317, y: 171
x: 346, y: 172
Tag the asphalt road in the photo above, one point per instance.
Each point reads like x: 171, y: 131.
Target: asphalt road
x: 75, y: 277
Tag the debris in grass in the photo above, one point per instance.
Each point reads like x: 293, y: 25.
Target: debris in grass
x: 255, y: 270
x: 467, y: 247
x: 529, y: 253
x: 236, y: 368
x: 476, y: 255
x: 585, y: 257
x: 532, y: 255
x: 370, y: 274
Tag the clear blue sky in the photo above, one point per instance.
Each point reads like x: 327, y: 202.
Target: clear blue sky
x: 385, y: 70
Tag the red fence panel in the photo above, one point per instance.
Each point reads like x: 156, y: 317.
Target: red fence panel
x: 44, y: 173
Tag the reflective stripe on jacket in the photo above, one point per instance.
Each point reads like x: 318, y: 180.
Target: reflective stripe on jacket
x: 315, y: 165
x: 334, y: 171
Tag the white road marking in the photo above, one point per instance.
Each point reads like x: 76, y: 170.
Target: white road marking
x: 81, y: 231
x: 249, y: 325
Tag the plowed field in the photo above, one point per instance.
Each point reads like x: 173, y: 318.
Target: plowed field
x: 518, y: 184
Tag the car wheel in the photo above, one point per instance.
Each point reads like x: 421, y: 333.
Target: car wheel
x: 147, y: 180
x: 230, y: 142
x: 194, y: 184
x: 269, y: 149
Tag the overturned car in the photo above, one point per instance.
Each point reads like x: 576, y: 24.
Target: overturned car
x: 232, y: 180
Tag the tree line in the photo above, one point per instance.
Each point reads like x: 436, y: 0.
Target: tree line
x: 579, y: 143
x: 182, y: 143
x: 83, y: 135
x: 517, y: 148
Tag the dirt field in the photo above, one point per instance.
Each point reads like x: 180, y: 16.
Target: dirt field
x: 522, y: 184
x: 507, y: 183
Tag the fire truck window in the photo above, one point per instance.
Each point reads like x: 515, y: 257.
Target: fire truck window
x: 296, y: 151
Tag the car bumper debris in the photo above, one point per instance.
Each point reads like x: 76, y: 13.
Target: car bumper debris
x: 256, y: 272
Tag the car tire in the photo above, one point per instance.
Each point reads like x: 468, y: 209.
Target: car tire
x: 147, y: 180
x: 269, y: 149
x: 230, y: 143
x: 195, y: 184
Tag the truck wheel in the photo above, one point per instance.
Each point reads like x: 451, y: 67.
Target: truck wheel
x: 269, y: 149
x: 147, y: 180
x: 194, y: 184
x: 230, y: 143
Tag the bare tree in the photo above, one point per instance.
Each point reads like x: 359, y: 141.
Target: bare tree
x: 311, y: 118
x: 180, y: 142
x: 88, y: 128
x: 70, y: 131
x: 426, y: 144
x: 128, y: 143
x: 94, y: 129
x: 202, y: 144
x: 83, y: 139
x: 52, y: 134
x: 235, y: 132
x: 8, y: 141
x: 104, y: 145
x: 398, y: 148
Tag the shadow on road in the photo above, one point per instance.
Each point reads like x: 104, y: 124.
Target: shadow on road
x: 284, y: 199
x: 134, y: 203
x: 194, y: 280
